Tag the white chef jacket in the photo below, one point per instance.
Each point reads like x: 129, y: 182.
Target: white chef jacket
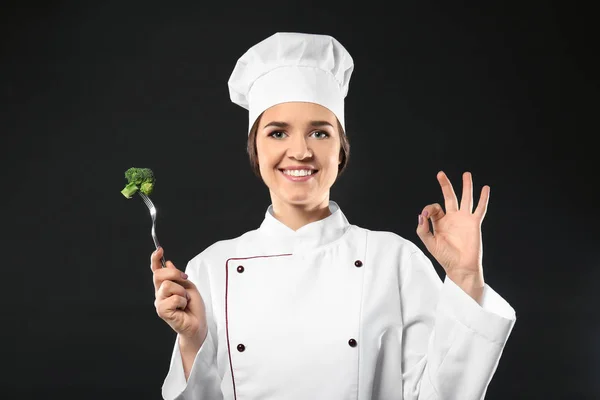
x: 334, y: 311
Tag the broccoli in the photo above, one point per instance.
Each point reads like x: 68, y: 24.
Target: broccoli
x: 141, y: 179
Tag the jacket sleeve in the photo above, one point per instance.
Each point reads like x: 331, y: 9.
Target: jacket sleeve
x: 204, y: 382
x: 451, y: 344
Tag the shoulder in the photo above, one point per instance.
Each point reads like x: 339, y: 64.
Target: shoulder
x: 392, y: 250
x: 388, y: 241
x: 217, y: 250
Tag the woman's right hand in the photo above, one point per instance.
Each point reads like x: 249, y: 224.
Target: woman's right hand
x: 178, y: 301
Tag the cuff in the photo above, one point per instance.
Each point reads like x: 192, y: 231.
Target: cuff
x: 175, y: 382
x: 493, y: 319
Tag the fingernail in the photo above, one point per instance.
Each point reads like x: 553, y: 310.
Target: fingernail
x: 184, y: 275
x: 187, y: 295
x: 420, y: 219
x: 425, y: 213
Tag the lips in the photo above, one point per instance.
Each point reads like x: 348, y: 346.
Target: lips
x: 298, y: 169
x: 299, y: 178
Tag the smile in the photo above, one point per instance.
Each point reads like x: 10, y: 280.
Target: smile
x: 301, y: 175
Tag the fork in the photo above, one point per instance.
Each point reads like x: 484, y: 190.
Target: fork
x: 152, y: 209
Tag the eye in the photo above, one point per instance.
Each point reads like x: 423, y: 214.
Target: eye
x: 276, y: 134
x: 321, y: 134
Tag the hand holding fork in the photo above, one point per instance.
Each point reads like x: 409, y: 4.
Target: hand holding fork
x: 178, y: 301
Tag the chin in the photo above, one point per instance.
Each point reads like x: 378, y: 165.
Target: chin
x: 296, y: 200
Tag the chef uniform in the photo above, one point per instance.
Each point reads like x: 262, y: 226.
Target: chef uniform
x: 331, y: 311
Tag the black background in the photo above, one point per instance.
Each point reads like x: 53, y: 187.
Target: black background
x: 507, y: 90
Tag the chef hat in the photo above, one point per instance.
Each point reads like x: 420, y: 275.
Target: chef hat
x: 289, y: 67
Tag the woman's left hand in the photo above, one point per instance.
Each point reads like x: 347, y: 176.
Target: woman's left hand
x: 455, y: 241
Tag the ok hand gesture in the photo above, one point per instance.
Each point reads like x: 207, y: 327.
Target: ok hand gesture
x: 455, y: 241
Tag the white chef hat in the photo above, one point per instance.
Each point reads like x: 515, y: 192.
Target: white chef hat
x: 289, y: 67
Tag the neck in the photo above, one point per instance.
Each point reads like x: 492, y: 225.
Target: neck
x: 295, y: 216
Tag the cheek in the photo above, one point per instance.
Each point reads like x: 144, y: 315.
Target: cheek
x: 260, y: 154
x: 263, y: 159
x: 267, y: 155
x: 334, y: 157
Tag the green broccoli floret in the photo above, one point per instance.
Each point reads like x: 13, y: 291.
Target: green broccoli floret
x: 130, y: 190
x: 147, y: 188
x: 141, y: 179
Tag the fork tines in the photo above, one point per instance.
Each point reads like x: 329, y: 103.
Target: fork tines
x: 148, y: 202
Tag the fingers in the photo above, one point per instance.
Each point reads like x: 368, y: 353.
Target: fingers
x: 482, y: 205
x: 170, y: 288
x: 170, y: 296
x: 168, y: 274
x: 166, y: 307
x: 431, y: 212
x: 423, y: 226
x: 466, y: 201
x: 450, y: 199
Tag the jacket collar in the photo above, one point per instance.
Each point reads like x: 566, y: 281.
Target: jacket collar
x: 308, y: 237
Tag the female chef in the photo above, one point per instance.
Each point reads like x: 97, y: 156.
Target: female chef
x: 309, y: 306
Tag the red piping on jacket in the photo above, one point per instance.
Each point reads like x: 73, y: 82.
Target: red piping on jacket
x: 227, y: 314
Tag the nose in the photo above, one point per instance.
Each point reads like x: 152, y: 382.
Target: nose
x: 299, y: 148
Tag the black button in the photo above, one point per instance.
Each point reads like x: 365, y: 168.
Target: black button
x: 240, y: 269
x: 241, y: 347
x: 358, y: 263
x: 352, y: 343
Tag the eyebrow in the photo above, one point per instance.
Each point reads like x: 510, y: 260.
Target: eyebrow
x: 314, y: 124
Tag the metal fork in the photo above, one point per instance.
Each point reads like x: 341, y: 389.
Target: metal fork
x: 152, y: 209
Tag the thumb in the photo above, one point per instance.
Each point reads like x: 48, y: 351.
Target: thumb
x: 160, y: 255
x: 156, y: 259
x: 423, y: 230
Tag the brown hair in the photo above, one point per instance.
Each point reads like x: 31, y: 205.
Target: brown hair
x: 253, y: 155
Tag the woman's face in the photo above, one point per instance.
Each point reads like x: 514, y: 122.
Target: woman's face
x: 302, y: 137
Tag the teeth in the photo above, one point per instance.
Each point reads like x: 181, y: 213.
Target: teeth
x: 298, y: 172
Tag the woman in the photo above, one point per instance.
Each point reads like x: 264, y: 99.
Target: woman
x: 308, y: 306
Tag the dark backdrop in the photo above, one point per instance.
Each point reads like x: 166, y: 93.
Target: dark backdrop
x: 89, y: 89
